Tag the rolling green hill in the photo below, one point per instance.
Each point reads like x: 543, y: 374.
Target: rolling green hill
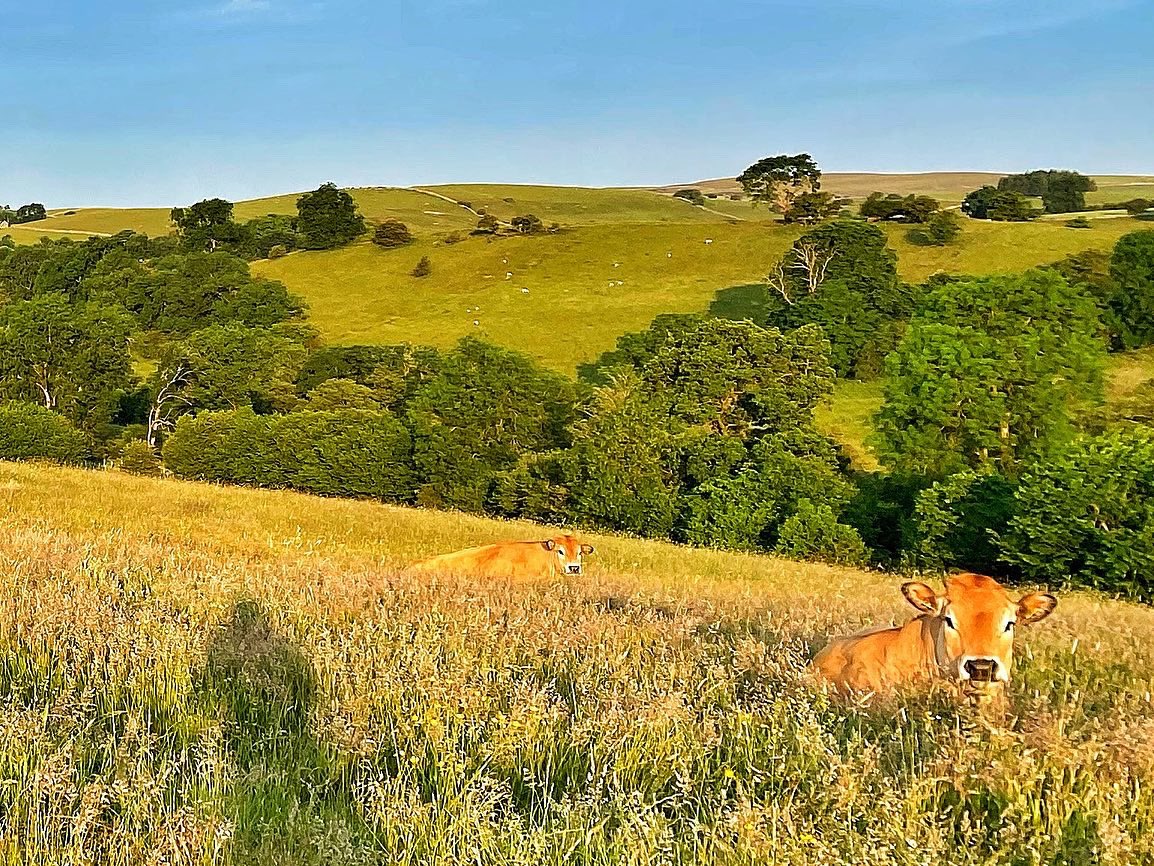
x: 590, y: 283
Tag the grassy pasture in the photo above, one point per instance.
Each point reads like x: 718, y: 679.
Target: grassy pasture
x: 576, y: 205
x: 193, y: 674
x: 574, y: 310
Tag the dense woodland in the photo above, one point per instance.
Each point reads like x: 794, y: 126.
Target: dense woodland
x: 998, y: 453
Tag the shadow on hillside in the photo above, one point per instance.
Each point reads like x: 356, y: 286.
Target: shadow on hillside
x: 263, y: 689
x: 750, y: 301
x: 737, y: 303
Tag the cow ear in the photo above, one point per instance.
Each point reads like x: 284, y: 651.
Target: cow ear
x: 588, y: 549
x: 1035, y: 606
x: 548, y: 543
x: 922, y: 597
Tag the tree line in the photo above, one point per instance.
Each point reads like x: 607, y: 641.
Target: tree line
x: 698, y: 429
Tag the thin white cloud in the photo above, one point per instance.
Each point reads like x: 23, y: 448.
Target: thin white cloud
x: 244, y: 7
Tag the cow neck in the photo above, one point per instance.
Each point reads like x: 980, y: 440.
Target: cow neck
x: 919, y: 638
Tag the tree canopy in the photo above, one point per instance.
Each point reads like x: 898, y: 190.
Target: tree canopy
x: 778, y: 180
x: 991, y: 374
x: 328, y: 217
x: 843, y: 277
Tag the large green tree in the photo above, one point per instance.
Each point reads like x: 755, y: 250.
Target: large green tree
x: 991, y: 374
x: 1132, y: 304
x: 179, y: 294
x: 778, y: 180
x: 843, y: 277
x: 1061, y: 191
x: 232, y: 366
x: 989, y: 202
x: 1086, y: 516
x: 328, y: 217
x: 72, y: 358
x: 706, y: 435
x: 477, y: 414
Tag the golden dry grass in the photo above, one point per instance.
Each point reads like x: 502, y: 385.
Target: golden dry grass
x: 193, y: 674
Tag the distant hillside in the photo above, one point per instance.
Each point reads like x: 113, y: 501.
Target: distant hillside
x: 622, y: 257
x: 946, y: 186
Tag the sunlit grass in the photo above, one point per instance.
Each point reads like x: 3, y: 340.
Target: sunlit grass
x: 192, y: 674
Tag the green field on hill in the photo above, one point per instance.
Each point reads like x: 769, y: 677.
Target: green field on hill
x: 574, y: 308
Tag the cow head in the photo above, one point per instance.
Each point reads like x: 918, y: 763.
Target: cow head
x: 569, y: 552
x: 973, y: 627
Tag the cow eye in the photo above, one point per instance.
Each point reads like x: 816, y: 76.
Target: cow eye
x: 950, y: 622
x: 1010, y: 625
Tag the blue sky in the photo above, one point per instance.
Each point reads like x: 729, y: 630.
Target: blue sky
x: 156, y: 103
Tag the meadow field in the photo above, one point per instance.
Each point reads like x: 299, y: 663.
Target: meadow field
x: 622, y: 256
x: 194, y: 674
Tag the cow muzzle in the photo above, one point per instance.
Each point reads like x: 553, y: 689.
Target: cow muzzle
x: 574, y: 568
x: 981, y: 670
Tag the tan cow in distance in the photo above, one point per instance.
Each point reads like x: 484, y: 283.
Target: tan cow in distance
x: 965, y: 635
x: 517, y: 560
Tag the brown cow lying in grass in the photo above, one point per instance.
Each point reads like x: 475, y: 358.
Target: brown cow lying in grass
x: 965, y: 635
x: 519, y: 560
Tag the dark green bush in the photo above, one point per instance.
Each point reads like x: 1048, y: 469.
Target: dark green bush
x: 392, y: 233
x: 1085, y: 517
x: 139, y: 458
x: 693, y: 196
x: 957, y: 520
x: 30, y: 431
x: 812, y: 532
x: 346, y: 452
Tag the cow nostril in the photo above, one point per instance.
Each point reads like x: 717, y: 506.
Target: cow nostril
x: 982, y: 670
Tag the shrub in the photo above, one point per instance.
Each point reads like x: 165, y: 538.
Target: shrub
x: 423, y: 268
x: 1132, y: 305
x: 452, y: 238
x: 693, y: 196
x: 28, y: 431
x: 812, y: 532
x: 527, y: 224
x: 487, y: 225
x: 392, y: 234
x: 957, y: 520
x: 910, y: 208
x: 278, y: 251
x: 1085, y: 517
x: 340, y: 453
x: 1078, y: 223
x: 139, y: 458
x: 940, y: 230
